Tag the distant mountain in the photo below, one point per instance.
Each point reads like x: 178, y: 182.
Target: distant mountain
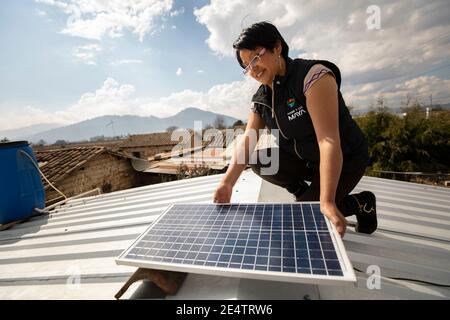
x: 22, y: 133
x: 110, y: 126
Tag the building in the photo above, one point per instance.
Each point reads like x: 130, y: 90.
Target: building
x: 147, y: 145
x: 77, y: 170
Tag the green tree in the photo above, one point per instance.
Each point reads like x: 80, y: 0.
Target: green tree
x: 219, y: 123
x: 60, y: 142
x: 238, y: 123
x: 408, y: 143
x: 171, y: 128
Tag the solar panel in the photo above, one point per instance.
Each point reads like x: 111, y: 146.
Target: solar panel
x: 283, y: 242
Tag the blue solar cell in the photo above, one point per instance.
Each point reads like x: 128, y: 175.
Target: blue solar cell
x: 206, y: 248
x: 275, y: 252
x: 225, y: 257
x: 191, y: 255
x: 274, y: 268
x: 335, y: 272
x: 303, y: 263
x: 241, y: 243
x: 333, y: 264
x: 230, y: 242
x: 328, y: 246
x: 237, y: 258
x: 319, y: 271
x: 288, y: 269
x: 314, y: 245
x: 262, y: 260
x: 315, y: 254
x: 227, y: 250
x: 290, y: 238
x: 239, y: 250
x: 249, y: 259
x: 275, y: 261
x: 201, y: 256
x: 318, y: 264
x: 289, y: 262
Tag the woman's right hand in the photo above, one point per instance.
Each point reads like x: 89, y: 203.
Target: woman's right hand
x: 223, y: 193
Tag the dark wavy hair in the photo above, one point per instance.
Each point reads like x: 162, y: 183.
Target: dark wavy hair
x: 262, y: 34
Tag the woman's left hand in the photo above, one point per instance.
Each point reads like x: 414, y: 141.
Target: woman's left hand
x: 331, y: 211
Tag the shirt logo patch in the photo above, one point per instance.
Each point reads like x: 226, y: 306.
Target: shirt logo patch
x: 291, y: 102
x: 295, y: 110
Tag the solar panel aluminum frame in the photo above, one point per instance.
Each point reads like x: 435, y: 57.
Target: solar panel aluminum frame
x: 348, y: 277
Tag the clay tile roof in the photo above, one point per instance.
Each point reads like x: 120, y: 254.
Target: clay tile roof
x: 57, y: 164
x: 151, y: 139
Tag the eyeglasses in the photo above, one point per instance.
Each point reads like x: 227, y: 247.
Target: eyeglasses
x: 254, y: 61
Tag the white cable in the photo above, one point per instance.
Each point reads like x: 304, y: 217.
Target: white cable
x: 37, y: 167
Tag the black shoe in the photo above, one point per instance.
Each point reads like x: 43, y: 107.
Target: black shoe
x: 300, y: 189
x: 367, y: 215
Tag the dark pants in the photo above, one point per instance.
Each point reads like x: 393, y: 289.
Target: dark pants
x: 293, y: 172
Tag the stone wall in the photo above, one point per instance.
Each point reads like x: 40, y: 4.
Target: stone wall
x: 105, y: 171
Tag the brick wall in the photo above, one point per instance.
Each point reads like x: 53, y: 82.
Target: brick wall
x: 107, y: 172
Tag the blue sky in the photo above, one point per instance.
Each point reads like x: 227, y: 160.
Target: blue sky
x: 39, y: 60
x: 64, y: 61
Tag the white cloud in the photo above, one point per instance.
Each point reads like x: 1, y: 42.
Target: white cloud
x: 351, y: 45
x: 125, y: 61
x: 87, y: 54
x: 200, y: 71
x: 395, y: 92
x: 233, y: 99
x: 15, y: 118
x: 177, y: 12
x: 41, y: 13
x: 96, y: 18
x: 110, y: 98
x: 179, y: 72
x: 420, y: 88
x: 113, y: 98
x: 411, y: 38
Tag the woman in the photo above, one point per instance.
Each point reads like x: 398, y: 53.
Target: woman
x: 318, y: 140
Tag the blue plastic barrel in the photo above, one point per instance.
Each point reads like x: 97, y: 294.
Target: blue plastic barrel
x: 21, y: 188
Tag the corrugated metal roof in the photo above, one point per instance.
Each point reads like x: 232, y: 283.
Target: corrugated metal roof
x: 70, y: 254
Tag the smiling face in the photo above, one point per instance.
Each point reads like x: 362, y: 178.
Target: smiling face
x: 266, y: 67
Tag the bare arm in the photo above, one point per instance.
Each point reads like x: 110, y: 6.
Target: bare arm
x: 240, y: 158
x: 322, y: 102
